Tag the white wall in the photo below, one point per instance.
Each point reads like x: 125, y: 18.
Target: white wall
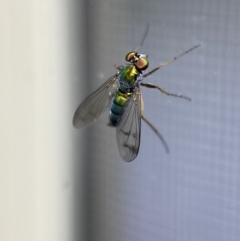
x: 36, y: 186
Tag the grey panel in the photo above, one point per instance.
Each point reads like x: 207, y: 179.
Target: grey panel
x: 193, y: 192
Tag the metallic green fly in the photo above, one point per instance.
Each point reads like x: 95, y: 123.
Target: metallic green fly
x: 122, y: 92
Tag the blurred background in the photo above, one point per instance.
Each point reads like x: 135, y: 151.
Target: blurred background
x: 59, y: 183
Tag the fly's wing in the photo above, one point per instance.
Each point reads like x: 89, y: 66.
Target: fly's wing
x: 129, y: 128
x: 92, y: 107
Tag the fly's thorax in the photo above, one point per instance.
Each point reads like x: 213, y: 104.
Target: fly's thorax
x: 128, y: 78
x: 128, y: 74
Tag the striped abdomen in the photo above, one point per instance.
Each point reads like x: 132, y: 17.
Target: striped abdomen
x: 117, y: 107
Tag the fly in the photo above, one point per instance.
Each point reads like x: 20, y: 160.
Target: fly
x: 123, y: 94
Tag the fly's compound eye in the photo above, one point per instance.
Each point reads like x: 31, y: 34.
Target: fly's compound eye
x: 142, y: 63
x: 131, y: 57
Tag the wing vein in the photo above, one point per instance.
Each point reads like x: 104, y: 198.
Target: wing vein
x: 129, y: 128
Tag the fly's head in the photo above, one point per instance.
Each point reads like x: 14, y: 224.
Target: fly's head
x: 140, y: 61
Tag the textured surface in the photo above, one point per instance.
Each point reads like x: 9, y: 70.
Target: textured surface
x: 193, y: 192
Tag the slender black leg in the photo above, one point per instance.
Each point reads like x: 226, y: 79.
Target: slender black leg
x: 145, y: 35
x: 118, y: 67
x: 170, y: 61
x: 157, y: 133
x: 164, y: 91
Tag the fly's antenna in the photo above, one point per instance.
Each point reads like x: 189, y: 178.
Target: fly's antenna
x: 144, y: 36
x: 171, y: 60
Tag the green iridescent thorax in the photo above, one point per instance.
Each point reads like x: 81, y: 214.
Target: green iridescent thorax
x: 128, y: 74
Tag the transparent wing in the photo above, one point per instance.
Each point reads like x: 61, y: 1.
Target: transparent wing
x: 92, y: 107
x: 129, y: 128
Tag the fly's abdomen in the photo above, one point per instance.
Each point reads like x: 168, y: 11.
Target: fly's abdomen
x: 117, y: 107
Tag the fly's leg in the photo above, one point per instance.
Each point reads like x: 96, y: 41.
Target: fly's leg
x: 138, y: 47
x: 118, y: 67
x: 145, y: 35
x: 151, y: 125
x: 171, y: 60
x: 157, y: 133
x: 164, y: 91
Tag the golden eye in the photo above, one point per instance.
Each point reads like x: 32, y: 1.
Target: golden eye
x: 142, y: 63
x: 131, y: 56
